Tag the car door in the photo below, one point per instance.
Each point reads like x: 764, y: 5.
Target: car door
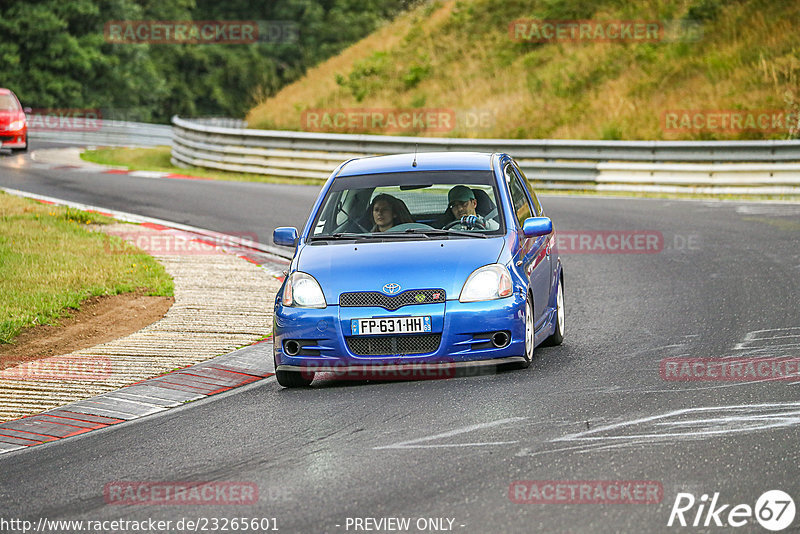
x: 532, y: 254
x: 538, y: 211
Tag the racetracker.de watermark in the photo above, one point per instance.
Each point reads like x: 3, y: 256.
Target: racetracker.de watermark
x: 65, y: 367
x: 395, y: 120
x: 585, y: 492
x: 388, y: 371
x: 201, y: 31
x: 172, y: 243
x: 604, y: 31
x: 126, y: 492
x: 384, y: 119
x: 730, y: 369
x: 144, y: 525
x: 609, y: 241
x: 623, y: 242
x: 730, y: 121
x: 65, y: 120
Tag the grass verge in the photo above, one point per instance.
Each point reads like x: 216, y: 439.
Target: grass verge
x: 50, y: 262
x: 158, y: 159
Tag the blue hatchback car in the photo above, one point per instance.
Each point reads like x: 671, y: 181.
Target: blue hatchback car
x: 409, y: 261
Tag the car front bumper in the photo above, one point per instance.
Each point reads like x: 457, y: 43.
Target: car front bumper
x: 465, y: 330
x: 13, y: 139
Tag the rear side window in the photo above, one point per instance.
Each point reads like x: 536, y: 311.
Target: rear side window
x: 522, y: 207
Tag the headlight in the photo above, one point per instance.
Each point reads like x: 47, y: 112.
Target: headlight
x: 303, y: 291
x: 487, y: 283
x: 16, y: 125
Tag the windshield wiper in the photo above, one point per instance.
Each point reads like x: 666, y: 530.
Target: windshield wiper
x: 435, y: 231
x: 342, y: 235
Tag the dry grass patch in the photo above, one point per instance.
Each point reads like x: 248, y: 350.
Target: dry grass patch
x: 459, y: 55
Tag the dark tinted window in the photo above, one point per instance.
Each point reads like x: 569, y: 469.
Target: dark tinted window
x: 537, y: 206
x: 521, y: 205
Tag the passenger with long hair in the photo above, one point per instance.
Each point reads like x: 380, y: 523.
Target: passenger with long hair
x: 388, y: 211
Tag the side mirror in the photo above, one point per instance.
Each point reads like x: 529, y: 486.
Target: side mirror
x: 285, y: 236
x: 537, y: 226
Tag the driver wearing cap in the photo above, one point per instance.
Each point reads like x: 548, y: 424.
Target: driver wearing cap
x: 462, y: 204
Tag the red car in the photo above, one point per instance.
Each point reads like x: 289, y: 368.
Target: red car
x: 13, y: 123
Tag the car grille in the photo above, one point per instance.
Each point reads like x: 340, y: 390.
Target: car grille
x: 393, y: 345
x: 6, y: 138
x: 392, y: 302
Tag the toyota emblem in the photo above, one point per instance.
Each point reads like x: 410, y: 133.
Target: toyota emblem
x: 391, y: 289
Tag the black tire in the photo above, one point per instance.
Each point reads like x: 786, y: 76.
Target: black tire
x: 557, y: 337
x: 529, y: 332
x: 294, y: 379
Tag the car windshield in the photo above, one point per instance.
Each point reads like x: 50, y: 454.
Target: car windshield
x: 8, y: 103
x: 410, y: 205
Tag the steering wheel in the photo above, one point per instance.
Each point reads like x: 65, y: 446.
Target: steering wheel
x: 468, y: 221
x: 355, y: 221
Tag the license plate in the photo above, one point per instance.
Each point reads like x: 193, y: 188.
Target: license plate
x: 391, y: 325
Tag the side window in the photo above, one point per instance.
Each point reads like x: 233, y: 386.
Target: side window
x: 521, y: 206
x: 537, y: 207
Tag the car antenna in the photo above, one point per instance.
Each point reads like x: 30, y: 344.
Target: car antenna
x: 414, y: 163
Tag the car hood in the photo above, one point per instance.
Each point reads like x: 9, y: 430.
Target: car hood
x: 434, y: 264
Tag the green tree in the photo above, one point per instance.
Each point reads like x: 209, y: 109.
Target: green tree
x: 54, y: 54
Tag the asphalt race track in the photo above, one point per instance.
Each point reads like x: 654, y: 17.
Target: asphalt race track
x: 207, y: 204
x: 723, y: 282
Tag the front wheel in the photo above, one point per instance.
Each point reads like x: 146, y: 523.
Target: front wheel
x: 561, y: 314
x: 528, y: 337
x: 294, y: 379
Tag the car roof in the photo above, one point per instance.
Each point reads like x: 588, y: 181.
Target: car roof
x: 426, y: 161
x: 4, y: 91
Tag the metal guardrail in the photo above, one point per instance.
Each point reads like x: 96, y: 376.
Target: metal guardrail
x: 747, y: 167
x: 106, y: 133
x: 222, y: 122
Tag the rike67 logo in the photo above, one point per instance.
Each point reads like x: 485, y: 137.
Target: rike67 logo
x: 774, y: 510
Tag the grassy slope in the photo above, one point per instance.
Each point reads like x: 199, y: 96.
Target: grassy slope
x: 49, y: 263
x: 459, y: 55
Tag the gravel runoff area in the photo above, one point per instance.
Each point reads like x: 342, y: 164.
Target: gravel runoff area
x: 222, y: 302
x: 67, y: 156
